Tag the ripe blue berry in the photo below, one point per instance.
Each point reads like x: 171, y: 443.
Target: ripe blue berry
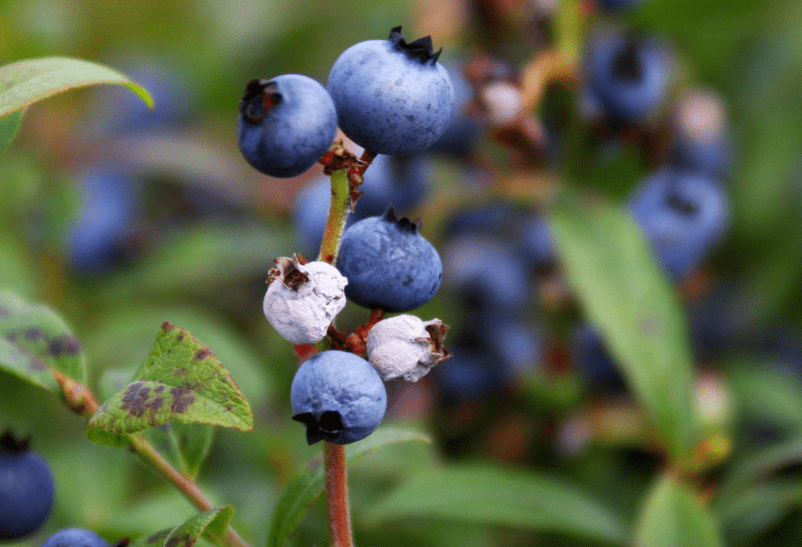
x: 285, y: 124
x: 338, y: 396
x: 398, y: 180
x: 684, y: 215
x: 392, y: 97
x: 628, y: 76
x: 388, y: 264
x: 26, y: 490
x: 75, y: 537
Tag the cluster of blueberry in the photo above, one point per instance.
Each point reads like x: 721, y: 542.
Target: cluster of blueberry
x: 391, y: 97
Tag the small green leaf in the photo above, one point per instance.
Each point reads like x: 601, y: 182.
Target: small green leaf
x: 674, y: 515
x: 614, y: 274
x: 34, y: 341
x: 180, y: 380
x: 184, y: 445
x: 31, y: 80
x: 497, y: 496
x: 305, y: 487
x: 210, y: 524
x: 8, y: 128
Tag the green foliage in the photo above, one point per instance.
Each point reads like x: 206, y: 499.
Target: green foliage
x: 307, y: 485
x: 210, y: 524
x: 629, y: 299
x: 674, y: 515
x: 497, y: 496
x: 36, y: 342
x: 180, y: 380
x: 9, y: 125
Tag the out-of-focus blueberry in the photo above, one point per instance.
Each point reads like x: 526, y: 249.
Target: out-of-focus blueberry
x: 486, y: 273
x: 629, y: 76
x: 400, y: 181
x: 536, y: 242
x: 470, y: 374
x: 683, y: 214
x: 107, y: 214
x: 595, y: 363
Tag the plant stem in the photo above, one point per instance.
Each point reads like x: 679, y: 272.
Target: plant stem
x: 187, y: 487
x: 337, y: 495
x: 338, y: 214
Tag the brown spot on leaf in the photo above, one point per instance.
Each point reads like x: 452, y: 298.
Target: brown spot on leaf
x: 180, y: 336
x: 182, y: 398
x: 34, y: 334
x: 36, y: 364
x: 134, y: 399
x: 167, y: 326
x: 159, y: 389
x: 4, y: 312
x: 203, y: 354
x: 181, y: 541
x: 158, y: 536
x: 156, y: 403
x: 64, y: 345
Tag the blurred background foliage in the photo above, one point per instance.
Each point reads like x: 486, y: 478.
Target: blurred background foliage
x: 205, y: 228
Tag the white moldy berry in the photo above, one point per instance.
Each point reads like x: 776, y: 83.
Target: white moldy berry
x: 303, y: 298
x: 406, y: 347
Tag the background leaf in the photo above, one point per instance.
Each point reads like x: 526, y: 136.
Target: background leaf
x: 306, y: 485
x: 184, y: 445
x: 26, y: 82
x: 673, y: 515
x: 628, y: 298
x: 212, y: 523
x: 497, y: 496
x: 180, y: 380
x: 8, y: 128
x: 34, y: 341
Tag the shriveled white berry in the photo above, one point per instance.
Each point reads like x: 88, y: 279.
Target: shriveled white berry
x: 303, y: 298
x: 406, y: 347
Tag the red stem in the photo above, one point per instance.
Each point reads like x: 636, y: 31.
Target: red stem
x: 337, y: 495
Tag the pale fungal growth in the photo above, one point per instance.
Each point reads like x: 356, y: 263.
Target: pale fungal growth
x: 303, y: 298
x: 406, y: 347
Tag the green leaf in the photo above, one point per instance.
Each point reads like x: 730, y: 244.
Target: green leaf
x: 8, y: 128
x: 180, y: 380
x: 211, y: 524
x: 766, y: 391
x: 496, y: 496
x: 629, y: 299
x: 305, y: 487
x: 31, y: 80
x: 674, y: 515
x: 184, y: 445
x: 760, y: 466
x: 756, y: 509
x: 34, y: 342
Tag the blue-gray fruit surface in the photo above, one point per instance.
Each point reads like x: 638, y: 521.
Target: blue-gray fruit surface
x: 392, y: 96
x: 388, y: 264
x: 339, y: 396
x: 285, y: 124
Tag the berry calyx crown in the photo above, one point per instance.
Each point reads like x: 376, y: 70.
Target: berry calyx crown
x: 404, y: 224
x: 259, y: 98
x: 421, y: 48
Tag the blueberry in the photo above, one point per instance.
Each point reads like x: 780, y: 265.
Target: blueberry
x: 107, y: 214
x: 338, y: 396
x: 628, y: 76
x: 75, y: 537
x: 26, y: 490
x: 398, y: 180
x: 473, y: 372
x: 389, y: 265
x: 392, y: 97
x: 683, y: 214
x: 536, y: 243
x: 486, y: 274
x: 285, y: 124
